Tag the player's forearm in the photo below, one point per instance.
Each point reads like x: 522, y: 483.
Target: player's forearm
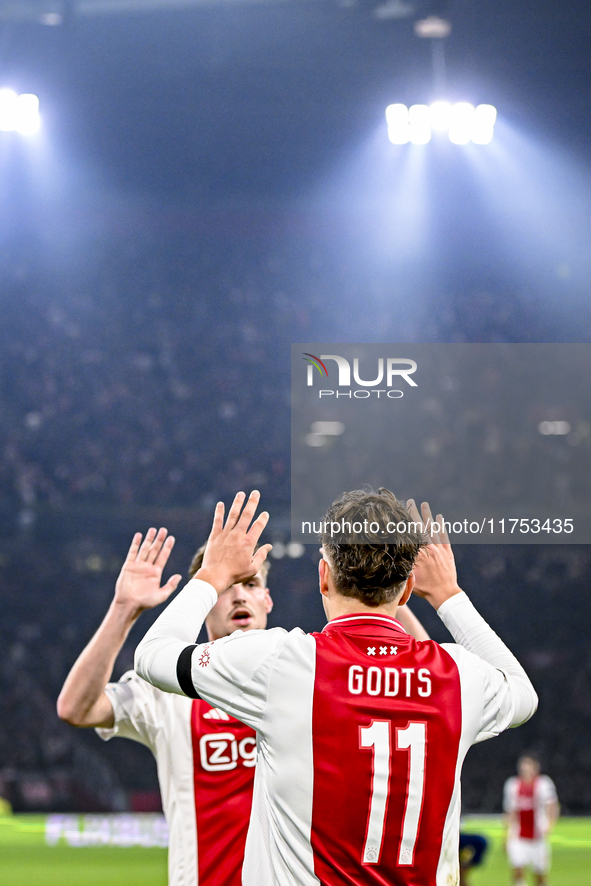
x: 471, y: 631
x: 410, y: 623
x: 553, y: 813
x: 157, y: 655
x: 91, y: 672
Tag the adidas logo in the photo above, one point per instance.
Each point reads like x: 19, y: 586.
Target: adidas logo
x: 215, y: 714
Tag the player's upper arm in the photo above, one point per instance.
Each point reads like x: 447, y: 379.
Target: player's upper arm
x: 503, y: 700
x: 136, y: 710
x: 233, y: 673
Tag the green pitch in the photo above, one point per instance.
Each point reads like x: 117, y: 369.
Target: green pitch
x: 26, y: 861
x: 571, y: 853
x: 62, y: 866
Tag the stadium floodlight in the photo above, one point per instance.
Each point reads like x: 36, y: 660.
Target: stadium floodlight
x: 555, y: 428
x: 28, y: 120
x: 398, y: 125
x: 440, y: 115
x: 462, y: 121
x: 19, y: 113
x: 295, y: 549
x: 433, y: 28
x: 484, y: 122
x: 330, y: 428
x: 420, y: 124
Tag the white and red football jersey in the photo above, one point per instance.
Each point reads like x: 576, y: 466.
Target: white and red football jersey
x: 528, y: 802
x: 205, y: 761
x: 362, y: 732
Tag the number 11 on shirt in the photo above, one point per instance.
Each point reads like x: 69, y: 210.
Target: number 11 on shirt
x: 412, y: 738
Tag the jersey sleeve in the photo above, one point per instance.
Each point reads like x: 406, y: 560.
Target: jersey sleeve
x: 234, y: 673
x: 548, y: 789
x: 135, y: 708
x: 509, y: 804
x: 487, y: 691
x: 231, y: 673
x: 510, y: 699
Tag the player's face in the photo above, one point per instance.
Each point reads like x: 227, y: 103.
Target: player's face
x: 240, y: 607
x: 527, y: 768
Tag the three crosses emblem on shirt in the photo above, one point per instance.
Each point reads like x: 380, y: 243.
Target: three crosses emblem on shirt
x: 383, y: 650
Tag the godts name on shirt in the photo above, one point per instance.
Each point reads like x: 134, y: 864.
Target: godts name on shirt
x: 392, y: 682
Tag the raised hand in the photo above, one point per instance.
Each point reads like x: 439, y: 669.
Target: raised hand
x: 229, y: 556
x: 434, y: 529
x: 138, y: 585
x: 435, y: 569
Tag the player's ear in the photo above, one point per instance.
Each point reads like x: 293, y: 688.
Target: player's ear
x: 268, y: 601
x: 323, y: 574
x: 405, y: 596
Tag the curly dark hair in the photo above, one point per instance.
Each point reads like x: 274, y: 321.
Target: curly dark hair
x: 373, y: 570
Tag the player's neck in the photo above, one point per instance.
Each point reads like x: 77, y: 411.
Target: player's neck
x: 337, y: 605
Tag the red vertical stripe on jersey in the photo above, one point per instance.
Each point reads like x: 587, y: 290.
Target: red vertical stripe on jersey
x: 223, y: 771
x: 386, y: 729
x: 525, y: 801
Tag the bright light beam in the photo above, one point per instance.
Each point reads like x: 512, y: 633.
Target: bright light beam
x: 420, y: 124
x: 440, y: 115
x: 462, y: 122
x: 27, y: 117
x: 398, y: 124
x: 19, y: 113
x: 538, y: 195
x: 484, y: 122
x: 8, y: 110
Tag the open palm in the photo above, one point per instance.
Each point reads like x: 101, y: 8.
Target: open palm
x: 139, y: 580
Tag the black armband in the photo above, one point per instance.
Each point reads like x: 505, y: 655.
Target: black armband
x: 183, y: 671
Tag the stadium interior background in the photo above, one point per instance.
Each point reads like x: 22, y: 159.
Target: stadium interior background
x: 210, y: 183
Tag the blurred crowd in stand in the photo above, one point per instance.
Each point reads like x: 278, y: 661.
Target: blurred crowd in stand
x: 142, y: 385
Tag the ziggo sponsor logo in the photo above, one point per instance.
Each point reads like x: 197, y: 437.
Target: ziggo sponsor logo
x: 395, y: 368
x: 221, y: 751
